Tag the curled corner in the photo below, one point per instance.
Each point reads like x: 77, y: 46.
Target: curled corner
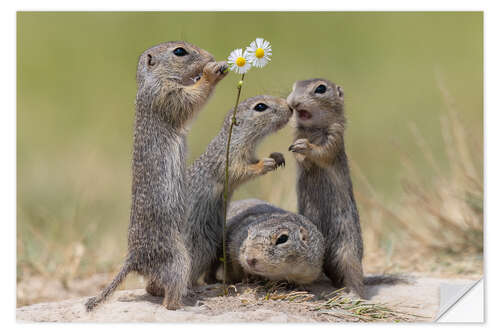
x: 461, y: 302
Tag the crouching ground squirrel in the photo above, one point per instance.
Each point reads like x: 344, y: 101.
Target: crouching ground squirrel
x: 324, y: 187
x: 174, y: 81
x: 275, y: 244
x: 267, y: 241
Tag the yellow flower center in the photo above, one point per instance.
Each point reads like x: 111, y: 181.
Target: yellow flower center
x: 240, y: 62
x: 259, y: 53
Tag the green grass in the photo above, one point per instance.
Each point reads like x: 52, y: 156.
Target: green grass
x: 76, y: 90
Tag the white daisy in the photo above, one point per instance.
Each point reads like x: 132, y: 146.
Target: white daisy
x: 259, y: 52
x: 239, y: 61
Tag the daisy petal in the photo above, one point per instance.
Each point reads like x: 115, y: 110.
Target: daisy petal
x: 239, y: 61
x: 259, y: 52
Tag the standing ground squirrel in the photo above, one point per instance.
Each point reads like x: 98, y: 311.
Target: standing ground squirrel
x: 324, y: 187
x: 174, y: 81
x: 256, y: 118
x: 268, y: 241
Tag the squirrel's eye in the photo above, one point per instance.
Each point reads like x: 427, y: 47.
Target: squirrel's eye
x: 151, y: 62
x: 260, y: 107
x: 180, y: 52
x: 320, y: 89
x: 282, y: 239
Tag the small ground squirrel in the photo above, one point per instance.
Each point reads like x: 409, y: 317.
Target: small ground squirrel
x: 270, y: 242
x: 324, y: 187
x: 174, y: 81
x: 256, y: 118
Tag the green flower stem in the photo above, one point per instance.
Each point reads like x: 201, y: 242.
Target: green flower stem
x: 226, y: 183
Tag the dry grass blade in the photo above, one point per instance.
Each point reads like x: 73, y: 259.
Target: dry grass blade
x: 446, y: 215
x: 337, y: 304
x: 346, y: 308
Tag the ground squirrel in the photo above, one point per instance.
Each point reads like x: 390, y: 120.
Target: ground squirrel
x: 174, y: 81
x: 270, y: 242
x: 276, y: 244
x: 256, y: 118
x: 324, y: 187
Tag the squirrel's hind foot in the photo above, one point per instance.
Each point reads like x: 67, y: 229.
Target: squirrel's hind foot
x: 91, y: 303
x: 171, y: 304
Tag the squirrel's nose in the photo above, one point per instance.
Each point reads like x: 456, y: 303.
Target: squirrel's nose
x: 252, y: 262
x: 293, y: 104
x: 292, y: 101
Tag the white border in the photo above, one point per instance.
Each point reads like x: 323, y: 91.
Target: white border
x: 8, y: 135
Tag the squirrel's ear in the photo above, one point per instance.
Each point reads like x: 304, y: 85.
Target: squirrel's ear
x: 304, y: 236
x: 151, y: 61
x: 340, y: 92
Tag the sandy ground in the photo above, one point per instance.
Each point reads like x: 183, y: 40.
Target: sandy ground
x: 254, y: 302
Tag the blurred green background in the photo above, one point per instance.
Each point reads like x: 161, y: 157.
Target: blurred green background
x: 76, y: 90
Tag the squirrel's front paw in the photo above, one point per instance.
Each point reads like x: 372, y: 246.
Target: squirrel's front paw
x: 268, y: 164
x: 279, y: 159
x: 215, y: 71
x: 300, y: 146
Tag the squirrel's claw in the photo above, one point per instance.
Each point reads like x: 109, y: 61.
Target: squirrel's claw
x: 223, y: 68
x: 299, y: 146
x: 215, y: 71
x: 279, y: 159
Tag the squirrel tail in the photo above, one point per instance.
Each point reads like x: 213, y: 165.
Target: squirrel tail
x: 96, y: 300
x: 385, y: 279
